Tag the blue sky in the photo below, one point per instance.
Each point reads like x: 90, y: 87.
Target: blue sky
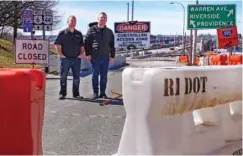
x: 165, y: 18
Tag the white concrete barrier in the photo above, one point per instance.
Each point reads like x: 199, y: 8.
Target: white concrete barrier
x: 180, y: 110
x: 85, y: 64
x: 177, y: 59
x: 204, y: 61
x: 118, y: 61
x: 54, y: 63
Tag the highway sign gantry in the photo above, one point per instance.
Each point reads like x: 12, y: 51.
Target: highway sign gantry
x: 202, y: 16
x: 27, y: 20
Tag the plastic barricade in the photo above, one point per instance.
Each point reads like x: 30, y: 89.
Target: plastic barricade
x: 177, y: 110
x: 223, y: 60
x: 218, y: 59
x: 197, y: 61
x: 235, y: 59
x: 203, y: 61
x: 184, y: 59
x: 22, y: 94
x: 212, y: 60
x: 54, y: 63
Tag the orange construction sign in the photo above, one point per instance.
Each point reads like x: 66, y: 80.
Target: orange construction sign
x: 227, y: 37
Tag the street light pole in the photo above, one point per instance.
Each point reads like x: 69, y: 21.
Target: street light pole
x: 184, y: 19
x: 194, y: 44
x: 127, y: 11
x: 132, y: 9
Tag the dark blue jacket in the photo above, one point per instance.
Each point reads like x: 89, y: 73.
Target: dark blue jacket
x: 99, y: 42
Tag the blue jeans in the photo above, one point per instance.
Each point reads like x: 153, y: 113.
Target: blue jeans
x: 100, y: 67
x: 75, y: 65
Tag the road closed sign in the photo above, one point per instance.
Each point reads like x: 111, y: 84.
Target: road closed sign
x: 134, y: 35
x: 32, y: 52
x: 227, y: 37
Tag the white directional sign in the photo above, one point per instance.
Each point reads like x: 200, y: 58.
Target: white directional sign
x: 32, y: 52
x: 47, y: 27
x: 47, y: 20
x: 37, y: 12
x: 38, y: 20
x: 132, y: 35
x: 47, y: 13
x: 38, y: 27
x: 43, y: 20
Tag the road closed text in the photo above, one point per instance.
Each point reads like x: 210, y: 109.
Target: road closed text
x: 29, y: 46
x: 30, y: 56
x: 32, y: 51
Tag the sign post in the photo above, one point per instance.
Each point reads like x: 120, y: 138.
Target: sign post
x: 43, y: 20
x: 210, y: 16
x: 132, y: 35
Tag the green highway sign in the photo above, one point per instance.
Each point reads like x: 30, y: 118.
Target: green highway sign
x: 202, y: 16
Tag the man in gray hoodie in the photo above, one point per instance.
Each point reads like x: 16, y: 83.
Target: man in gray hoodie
x: 100, y: 50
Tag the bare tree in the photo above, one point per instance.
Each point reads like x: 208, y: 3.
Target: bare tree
x: 11, y: 13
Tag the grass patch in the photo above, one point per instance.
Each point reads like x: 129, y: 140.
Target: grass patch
x: 7, y: 57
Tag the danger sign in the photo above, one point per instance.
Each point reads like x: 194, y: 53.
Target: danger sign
x: 132, y: 34
x: 32, y: 51
x: 227, y: 37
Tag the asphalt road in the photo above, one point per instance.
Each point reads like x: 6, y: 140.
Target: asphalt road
x: 73, y: 127
x: 82, y: 128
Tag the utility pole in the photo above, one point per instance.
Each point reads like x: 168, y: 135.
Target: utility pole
x: 175, y: 39
x: 194, y: 43
x: 127, y: 11
x: 183, y: 36
x: 44, y: 38
x: 184, y: 19
x: 191, y: 45
x: 132, y: 9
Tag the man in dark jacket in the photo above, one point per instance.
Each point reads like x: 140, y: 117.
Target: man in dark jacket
x: 100, y: 50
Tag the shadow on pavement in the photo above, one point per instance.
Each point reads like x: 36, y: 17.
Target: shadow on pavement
x: 88, y: 71
x: 113, y: 102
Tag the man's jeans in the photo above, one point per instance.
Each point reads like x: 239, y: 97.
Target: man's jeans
x: 75, y: 65
x: 100, y: 67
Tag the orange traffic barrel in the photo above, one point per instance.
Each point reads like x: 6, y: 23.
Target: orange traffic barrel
x: 235, y: 59
x: 22, y: 94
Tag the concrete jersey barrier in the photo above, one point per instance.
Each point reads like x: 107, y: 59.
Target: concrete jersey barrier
x: 54, y: 64
x: 180, y: 110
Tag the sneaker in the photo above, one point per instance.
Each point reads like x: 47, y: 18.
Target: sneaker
x: 77, y: 97
x: 95, y: 96
x: 103, y: 95
x: 62, y: 97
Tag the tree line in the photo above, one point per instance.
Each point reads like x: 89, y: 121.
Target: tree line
x: 11, y: 14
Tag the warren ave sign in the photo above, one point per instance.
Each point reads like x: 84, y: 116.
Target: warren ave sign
x: 211, y: 16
